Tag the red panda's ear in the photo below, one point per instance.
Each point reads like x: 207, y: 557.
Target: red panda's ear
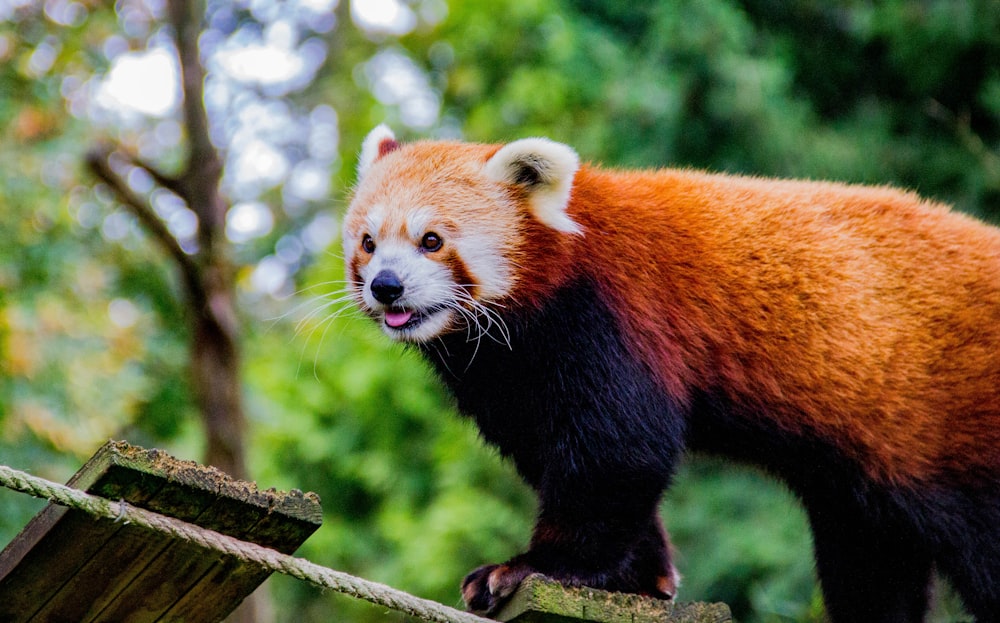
x: 378, y: 143
x: 545, y: 169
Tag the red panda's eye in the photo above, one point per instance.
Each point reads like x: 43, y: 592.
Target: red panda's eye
x: 368, y: 244
x: 431, y: 242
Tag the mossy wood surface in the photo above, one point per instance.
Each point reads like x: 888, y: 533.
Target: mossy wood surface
x: 540, y: 600
x: 67, y: 566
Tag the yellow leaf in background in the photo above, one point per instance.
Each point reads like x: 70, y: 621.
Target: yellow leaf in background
x: 23, y: 354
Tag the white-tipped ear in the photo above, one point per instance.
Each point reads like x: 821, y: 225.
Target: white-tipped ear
x: 545, y: 169
x: 378, y: 143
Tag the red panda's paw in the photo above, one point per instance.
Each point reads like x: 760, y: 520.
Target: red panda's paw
x: 488, y: 587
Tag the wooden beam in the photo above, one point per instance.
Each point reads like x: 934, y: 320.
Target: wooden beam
x: 67, y: 566
x: 541, y: 600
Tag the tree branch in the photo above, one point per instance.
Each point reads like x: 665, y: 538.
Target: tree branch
x: 204, y: 167
x: 97, y: 161
x: 173, y: 184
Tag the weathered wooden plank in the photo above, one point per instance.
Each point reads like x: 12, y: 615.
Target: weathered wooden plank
x: 122, y: 560
x: 173, y: 569
x: 541, y: 600
x: 46, y: 558
x: 225, y: 576
x: 66, y: 566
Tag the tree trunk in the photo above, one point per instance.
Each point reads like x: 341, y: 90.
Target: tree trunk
x: 207, y: 275
x: 215, y: 375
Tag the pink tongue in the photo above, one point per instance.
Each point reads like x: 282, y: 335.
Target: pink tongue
x: 397, y: 318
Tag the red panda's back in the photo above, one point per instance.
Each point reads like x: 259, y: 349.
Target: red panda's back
x: 864, y: 315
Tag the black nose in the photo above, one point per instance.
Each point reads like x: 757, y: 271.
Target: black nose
x: 386, y: 287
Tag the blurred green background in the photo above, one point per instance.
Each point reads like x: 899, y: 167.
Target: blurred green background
x: 93, y: 338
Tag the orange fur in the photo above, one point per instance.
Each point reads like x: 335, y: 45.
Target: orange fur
x: 865, y: 315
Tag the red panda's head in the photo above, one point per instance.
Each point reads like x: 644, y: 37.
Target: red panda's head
x: 436, y: 230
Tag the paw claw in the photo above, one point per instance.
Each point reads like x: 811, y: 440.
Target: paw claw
x: 485, y: 589
x: 666, y: 585
x: 504, y: 580
x: 475, y: 593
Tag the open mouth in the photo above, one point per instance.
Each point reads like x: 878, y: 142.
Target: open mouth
x: 401, y: 318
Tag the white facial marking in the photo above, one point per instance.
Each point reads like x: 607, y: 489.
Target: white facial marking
x: 419, y: 221
x: 374, y: 220
x: 426, y: 289
x: 485, y: 261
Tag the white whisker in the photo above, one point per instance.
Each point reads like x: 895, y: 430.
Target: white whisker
x: 443, y: 359
x: 343, y: 291
x: 321, y: 313
x: 477, y: 309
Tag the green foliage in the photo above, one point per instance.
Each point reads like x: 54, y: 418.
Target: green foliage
x: 754, y: 557
x: 892, y: 92
x: 69, y: 377
x: 411, y: 497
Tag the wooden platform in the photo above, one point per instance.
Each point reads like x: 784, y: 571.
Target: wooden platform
x: 540, y: 600
x: 67, y: 566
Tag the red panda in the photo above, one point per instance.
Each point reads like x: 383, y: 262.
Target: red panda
x: 597, y: 323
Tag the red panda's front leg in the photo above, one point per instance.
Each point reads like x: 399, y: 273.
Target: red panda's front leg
x: 590, y: 428
x: 614, y: 546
